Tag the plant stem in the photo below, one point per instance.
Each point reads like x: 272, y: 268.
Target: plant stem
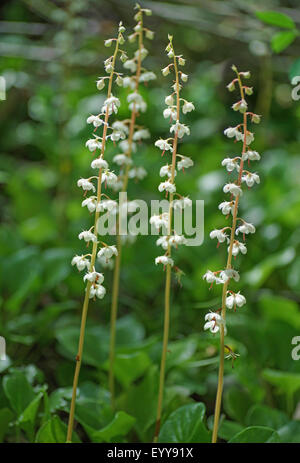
x: 225, y: 286
x: 168, y: 274
x: 116, y: 277
x: 92, y: 264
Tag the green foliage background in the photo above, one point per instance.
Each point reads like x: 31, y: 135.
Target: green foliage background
x: 51, y: 54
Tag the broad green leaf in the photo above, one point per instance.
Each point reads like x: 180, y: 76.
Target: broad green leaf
x: 28, y: 417
x: 18, y: 390
x: 284, y: 381
x: 282, y: 40
x: 276, y: 19
x: 54, y: 431
x: 186, y: 425
x: 236, y: 403
x: 256, y: 434
x: 228, y: 429
x: 6, y: 417
x: 129, y: 367
x: 118, y: 428
x: 279, y: 308
x: 290, y: 432
x: 261, y: 415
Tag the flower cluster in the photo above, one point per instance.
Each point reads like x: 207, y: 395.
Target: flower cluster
x: 175, y: 105
x: 231, y: 235
x: 98, y: 201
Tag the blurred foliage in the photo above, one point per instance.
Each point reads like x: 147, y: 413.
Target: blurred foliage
x: 51, y: 54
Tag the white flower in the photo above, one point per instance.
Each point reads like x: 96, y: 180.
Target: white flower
x: 120, y: 126
x: 213, y: 322
x: 235, y: 299
x: 109, y: 264
x: 250, y: 179
x: 99, y: 163
x: 107, y: 205
x: 95, y: 120
x: 94, y: 143
x: 226, y: 207
x: 143, y: 52
x: 87, y: 236
x: 130, y: 64
x: 86, y: 184
x: 125, y: 147
x: 136, y: 102
x: 173, y: 240
x: 163, y: 145
x: 160, y: 220
x: 122, y: 159
x: 107, y: 252
x: 147, y: 76
x: 81, y: 262
x: 90, y: 203
x: 184, y: 77
x: 165, y: 260
x: 184, y: 163
x: 129, y: 82
x: 249, y: 137
x: 209, y: 276
x: 141, y: 134
x: 117, y: 135
x: 166, y: 170
x: 181, y: 203
x: 245, y: 228
x: 180, y: 129
x: 111, y: 105
x: 232, y: 188
x: 232, y: 132
x: 187, y: 107
x: 170, y: 112
x: 138, y: 173
x: 94, y: 277
x: 109, y: 177
x: 238, y: 247
x: 251, y: 155
x: 230, y: 164
x: 240, y: 106
x: 100, y: 83
x: 169, y: 100
x: 165, y: 71
x: 98, y: 291
x: 219, y: 234
x: 167, y: 186
x: 225, y: 275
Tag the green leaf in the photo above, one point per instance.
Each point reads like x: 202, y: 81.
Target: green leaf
x: 280, y: 308
x: 129, y: 367
x: 18, y: 390
x: 256, y: 434
x: 290, y: 433
x: 276, y: 19
x: 54, y: 431
x: 228, y: 429
x: 236, y: 403
x: 6, y: 417
x: 261, y: 415
x: 282, y: 40
x: 284, y: 381
x: 28, y: 417
x: 186, y: 425
x: 118, y: 428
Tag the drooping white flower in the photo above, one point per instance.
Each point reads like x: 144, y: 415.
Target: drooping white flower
x: 166, y: 170
x: 147, y: 76
x: 238, y: 247
x: 90, y: 203
x: 97, y: 290
x: 226, y: 207
x: 130, y: 64
x: 95, y: 120
x: 169, y: 100
x: 108, y: 252
x: 163, y: 145
x: 94, y: 277
x: 235, y: 299
x: 109, y: 177
x: 86, y: 185
x: 173, y: 240
x: 122, y: 159
x: 111, y: 105
x: 225, y: 275
x: 87, y: 236
x: 120, y: 126
x: 170, y: 112
x: 99, y: 163
x: 232, y: 188
x: 184, y: 163
x: 250, y: 178
x: 231, y: 164
x: 181, y: 203
x: 81, y: 262
x: 137, y: 172
x: 219, y: 234
x: 117, y: 135
x: 251, y: 155
x: 240, y: 106
x: 107, y: 205
x: 213, y: 322
x: 210, y: 276
x: 232, y: 132
x: 167, y: 186
x: 125, y: 146
x: 180, y: 129
x: 164, y: 260
x: 187, y: 107
x: 141, y: 134
x: 160, y: 220
x: 245, y: 228
x: 94, y: 143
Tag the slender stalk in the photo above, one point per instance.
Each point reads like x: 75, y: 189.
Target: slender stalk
x: 225, y: 286
x: 116, y: 277
x: 168, y: 272
x: 92, y: 264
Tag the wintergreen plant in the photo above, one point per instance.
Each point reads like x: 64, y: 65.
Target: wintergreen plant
x: 175, y: 106
x: 134, y: 134
x: 98, y: 202
x: 230, y: 235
